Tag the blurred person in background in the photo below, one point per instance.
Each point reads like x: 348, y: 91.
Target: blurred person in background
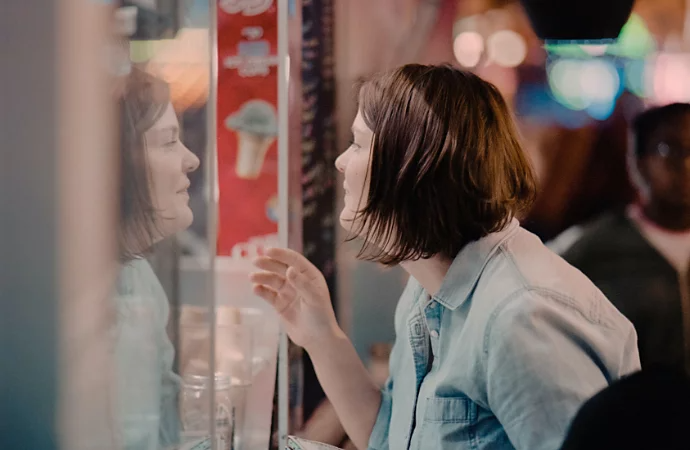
x: 647, y: 410
x: 638, y: 256
x: 498, y: 340
x: 154, y: 200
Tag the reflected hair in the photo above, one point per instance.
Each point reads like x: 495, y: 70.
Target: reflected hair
x: 446, y: 166
x: 144, y: 101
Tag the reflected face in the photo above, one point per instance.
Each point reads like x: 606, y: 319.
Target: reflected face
x: 169, y: 162
x: 353, y: 163
x: 666, y: 166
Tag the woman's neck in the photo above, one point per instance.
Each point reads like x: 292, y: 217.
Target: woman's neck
x: 430, y: 272
x: 138, y: 242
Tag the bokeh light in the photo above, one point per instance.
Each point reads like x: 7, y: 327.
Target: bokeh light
x: 572, y: 50
x: 506, y: 48
x: 599, y: 81
x: 594, y: 49
x: 591, y: 85
x: 635, y: 40
x: 635, y: 76
x: 668, y: 78
x: 468, y: 47
x: 184, y: 64
x: 565, y: 84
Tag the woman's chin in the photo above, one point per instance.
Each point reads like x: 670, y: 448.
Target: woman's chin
x: 348, y: 221
x: 345, y: 219
x: 186, y: 219
x: 183, y: 220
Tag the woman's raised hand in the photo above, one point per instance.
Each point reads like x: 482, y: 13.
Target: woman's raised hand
x: 298, y: 292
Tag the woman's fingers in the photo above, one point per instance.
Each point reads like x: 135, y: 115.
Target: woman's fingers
x: 266, y: 293
x: 270, y: 265
x: 290, y: 258
x: 269, y: 279
x: 279, y: 302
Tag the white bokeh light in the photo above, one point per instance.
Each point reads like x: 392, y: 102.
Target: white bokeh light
x: 506, y: 48
x: 580, y: 84
x: 599, y: 81
x: 594, y: 49
x: 468, y: 47
x: 668, y: 78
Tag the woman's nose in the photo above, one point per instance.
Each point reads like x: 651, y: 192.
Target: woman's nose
x: 191, y: 161
x: 340, y: 162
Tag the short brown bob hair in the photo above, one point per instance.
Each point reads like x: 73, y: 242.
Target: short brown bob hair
x: 143, y: 102
x: 446, y: 166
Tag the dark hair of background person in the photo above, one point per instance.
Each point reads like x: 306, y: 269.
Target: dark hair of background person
x: 647, y: 123
x: 647, y: 410
x: 446, y: 165
x: 144, y: 101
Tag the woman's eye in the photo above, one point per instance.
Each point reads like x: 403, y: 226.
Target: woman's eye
x: 354, y: 145
x: 170, y: 144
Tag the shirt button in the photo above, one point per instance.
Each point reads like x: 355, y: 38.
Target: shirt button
x: 434, y: 334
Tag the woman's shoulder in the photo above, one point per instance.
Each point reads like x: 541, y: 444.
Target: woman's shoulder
x: 139, y: 287
x: 137, y: 276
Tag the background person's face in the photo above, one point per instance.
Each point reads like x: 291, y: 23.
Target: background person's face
x: 354, y: 164
x: 169, y: 162
x: 666, y: 166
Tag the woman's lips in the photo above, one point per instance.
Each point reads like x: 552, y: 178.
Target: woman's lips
x: 185, y: 190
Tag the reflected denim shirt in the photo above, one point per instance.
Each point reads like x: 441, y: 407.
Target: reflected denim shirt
x: 146, y: 390
x: 514, y: 342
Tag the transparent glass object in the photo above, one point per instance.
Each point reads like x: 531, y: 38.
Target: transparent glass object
x: 235, y: 366
x: 196, y: 416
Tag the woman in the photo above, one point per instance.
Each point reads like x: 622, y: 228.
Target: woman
x: 499, y: 341
x: 154, y: 205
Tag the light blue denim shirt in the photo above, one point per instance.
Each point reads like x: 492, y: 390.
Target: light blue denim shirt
x: 504, y: 355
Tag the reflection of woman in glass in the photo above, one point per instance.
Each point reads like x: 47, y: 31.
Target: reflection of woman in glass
x: 154, y: 205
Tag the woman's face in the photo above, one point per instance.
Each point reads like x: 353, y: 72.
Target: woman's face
x: 354, y: 164
x: 169, y: 162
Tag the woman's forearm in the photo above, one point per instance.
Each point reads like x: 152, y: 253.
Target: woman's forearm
x: 348, y: 385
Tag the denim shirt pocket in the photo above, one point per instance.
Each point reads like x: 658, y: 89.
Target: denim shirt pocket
x: 449, y: 422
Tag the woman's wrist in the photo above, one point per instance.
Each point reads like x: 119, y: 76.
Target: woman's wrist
x: 327, y: 343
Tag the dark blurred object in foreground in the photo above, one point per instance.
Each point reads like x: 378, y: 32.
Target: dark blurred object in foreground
x: 647, y: 410
x: 583, y: 20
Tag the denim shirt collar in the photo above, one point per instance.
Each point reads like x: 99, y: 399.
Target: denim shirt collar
x: 469, y: 264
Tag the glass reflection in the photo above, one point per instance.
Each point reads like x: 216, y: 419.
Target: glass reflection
x: 154, y: 205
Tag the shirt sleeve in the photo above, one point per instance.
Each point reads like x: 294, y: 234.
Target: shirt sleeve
x: 544, y: 359
x: 379, y: 435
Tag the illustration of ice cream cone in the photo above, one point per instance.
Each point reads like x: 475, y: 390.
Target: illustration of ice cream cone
x: 272, y: 209
x: 256, y: 126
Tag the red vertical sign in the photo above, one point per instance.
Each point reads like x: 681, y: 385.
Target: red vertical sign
x: 247, y: 127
